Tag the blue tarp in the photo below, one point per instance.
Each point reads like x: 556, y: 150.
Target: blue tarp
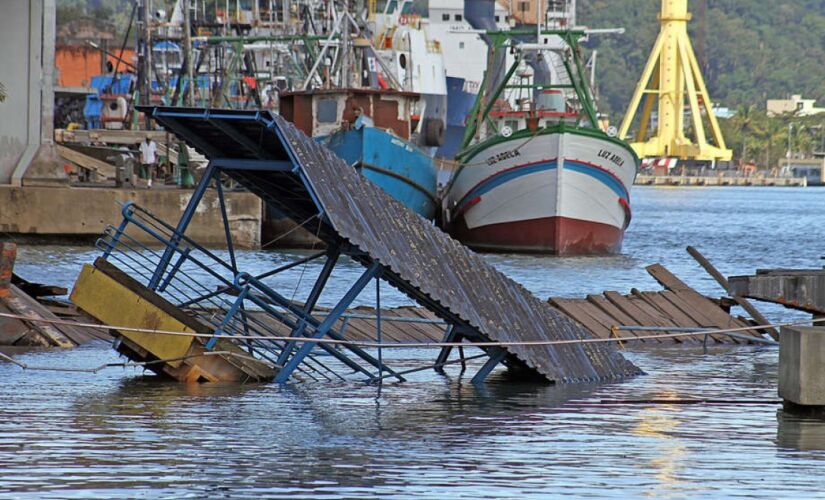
x: 104, y: 84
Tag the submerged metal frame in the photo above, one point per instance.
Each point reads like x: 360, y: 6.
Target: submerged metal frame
x: 306, y: 325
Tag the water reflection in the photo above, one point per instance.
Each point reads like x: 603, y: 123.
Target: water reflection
x: 123, y: 434
x: 800, y: 432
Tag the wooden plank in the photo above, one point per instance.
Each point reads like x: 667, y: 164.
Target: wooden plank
x: 125, y: 137
x: 695, y: 301
x: 618, y: 316
x: 101, y: 168
x: 572, y: 308
x: 660, y: 317
x: 697, y: 314
x: 743, y: 302
x: 656, y: 300
x: 666, y: 278
x: 720, y: 318
x: 13, y: 331
x: 603, y: 318
x: 430, y: 331
x: 641, y: 316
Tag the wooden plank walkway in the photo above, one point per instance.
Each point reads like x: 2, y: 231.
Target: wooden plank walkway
x: 678, y: 306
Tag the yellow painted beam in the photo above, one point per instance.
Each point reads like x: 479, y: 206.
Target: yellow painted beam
x: 111, y: 303
x: 670, y: 77
x: 114, y: 298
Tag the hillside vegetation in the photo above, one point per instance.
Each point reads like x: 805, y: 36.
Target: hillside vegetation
x: 754, y: 50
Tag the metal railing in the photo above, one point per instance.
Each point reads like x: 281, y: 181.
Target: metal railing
x: 209, y: 288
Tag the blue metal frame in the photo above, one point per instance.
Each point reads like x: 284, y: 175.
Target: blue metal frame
x: 309, y: 304
x: 230, y: 315
x: 373, y: 271
x: 259, y: 157
x: 185, y: 219
x: 282, y: 301
x: 497, y: 355
x: 227, y: 233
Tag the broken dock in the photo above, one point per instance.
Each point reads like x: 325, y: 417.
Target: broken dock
x: 306, y: 182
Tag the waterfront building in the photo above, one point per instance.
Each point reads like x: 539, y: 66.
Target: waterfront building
x: 795, y: 105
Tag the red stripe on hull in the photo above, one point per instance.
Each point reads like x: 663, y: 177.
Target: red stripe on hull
x: 553, y: 235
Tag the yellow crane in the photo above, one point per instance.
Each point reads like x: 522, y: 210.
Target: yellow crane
x: 670, y: 76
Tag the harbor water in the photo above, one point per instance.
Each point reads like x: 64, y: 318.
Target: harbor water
x: 121, y: 433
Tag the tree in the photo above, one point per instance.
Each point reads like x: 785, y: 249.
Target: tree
x: 774, y: 132
x: 746, y: 123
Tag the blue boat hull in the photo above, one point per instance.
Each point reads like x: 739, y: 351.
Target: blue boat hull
x: 398, y: 167
x: 459, y: 104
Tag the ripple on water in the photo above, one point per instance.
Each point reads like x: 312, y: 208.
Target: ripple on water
x: 120, y: 434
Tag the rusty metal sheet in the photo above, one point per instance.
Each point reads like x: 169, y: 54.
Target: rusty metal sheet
x: 419, y: 259
x: 802, y: 289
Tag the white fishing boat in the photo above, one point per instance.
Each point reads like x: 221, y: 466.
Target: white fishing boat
x: 537, y: 174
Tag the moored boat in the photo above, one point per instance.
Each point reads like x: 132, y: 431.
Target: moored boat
x: 561, y: 189
x: 372, y: 131
x: 537, y: 174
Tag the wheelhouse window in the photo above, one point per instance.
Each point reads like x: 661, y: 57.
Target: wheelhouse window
x: 327, y: 111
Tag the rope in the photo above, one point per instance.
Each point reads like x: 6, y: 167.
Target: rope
x: 291, y: 230
x: 371, y: 344
x: 126, y: 364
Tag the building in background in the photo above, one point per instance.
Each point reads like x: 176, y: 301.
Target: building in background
x: 813, y: 169
x: 796, y: 105
x: 80, y: 53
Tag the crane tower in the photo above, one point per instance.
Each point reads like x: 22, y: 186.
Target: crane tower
x: 670, y: 76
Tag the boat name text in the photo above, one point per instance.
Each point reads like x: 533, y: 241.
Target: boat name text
x: 613, y: 157
x: 503, y: 156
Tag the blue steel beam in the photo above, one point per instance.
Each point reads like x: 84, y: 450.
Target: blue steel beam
x: 497, y: 355
x: 373, y: 271
x: 229, y: 316
x: 282, y: 301
x: 449, y: 336
x: 125, y: 211
x: 309, y: 304
x: 227, y: 233
x: 185, y: 219
x: 262, y: 165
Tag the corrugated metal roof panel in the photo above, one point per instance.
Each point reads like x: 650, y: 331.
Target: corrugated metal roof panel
x: 419, y: 259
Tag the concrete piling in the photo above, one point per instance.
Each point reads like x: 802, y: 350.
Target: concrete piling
x: 802, y: 367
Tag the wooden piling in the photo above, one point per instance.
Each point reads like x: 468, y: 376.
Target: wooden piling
x: 8, y: 254
x: 723, y: 282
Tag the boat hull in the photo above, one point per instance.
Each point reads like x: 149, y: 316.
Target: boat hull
x: 562, y: 191
x: 459, y: 104
x: 397, y: 166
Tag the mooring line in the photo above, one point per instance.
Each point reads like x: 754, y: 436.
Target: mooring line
x: 433, y: 345
x: 127, y: 364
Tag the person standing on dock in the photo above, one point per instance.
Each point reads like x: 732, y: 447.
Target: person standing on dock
x: 148, y: 159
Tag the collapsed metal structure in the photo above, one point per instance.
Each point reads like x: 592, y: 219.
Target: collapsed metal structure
x: 306, y: 182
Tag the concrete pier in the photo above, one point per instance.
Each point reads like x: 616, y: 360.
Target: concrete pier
x: 695, y: 180
x: 45, y: 214
x: 802, y: 367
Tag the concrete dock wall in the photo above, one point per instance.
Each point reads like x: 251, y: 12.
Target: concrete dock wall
x: 82, y: 213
